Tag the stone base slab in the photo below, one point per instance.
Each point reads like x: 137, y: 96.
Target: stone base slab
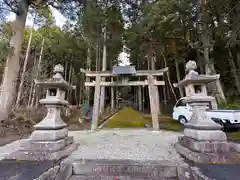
x: 206, y: 146
x: 103, y: 167
x: 49, y: 135
x: 51, y: 146
x: 82, y: 177
x: 203, y: 157
x: 44, y: 155
x: 205, y: 135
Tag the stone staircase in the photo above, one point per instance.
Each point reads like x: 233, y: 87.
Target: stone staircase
x: 99, y: 169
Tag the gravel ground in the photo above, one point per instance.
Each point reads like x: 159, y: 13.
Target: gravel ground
x: 134, y: 144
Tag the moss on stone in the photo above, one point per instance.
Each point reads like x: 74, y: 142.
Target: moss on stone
x: 127, y: 118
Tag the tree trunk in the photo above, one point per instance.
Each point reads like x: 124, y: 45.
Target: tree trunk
x: 104, y: 67
x: 74, y: 80
x: 97, y: 52
x: 8, y: 86
x: 177, y: 69
x: 178, y: 77
x: 153, y: 60
x: 70, y: 82
x: 199, y: 62
x: 65, y: 70
x: 168, y: 76
x: 36, y: 76
x: 87, y: 78
x: 32, y: 81
x: 209, y: 67
x: 238, y: 61
x: 235, y: 27
x: 112, y: 96
x: 148, y: 63
x: 24, y: 68
x: 140, y: 99
x: 234, y: 70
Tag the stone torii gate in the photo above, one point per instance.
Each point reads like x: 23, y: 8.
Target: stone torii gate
x: 150, y: 81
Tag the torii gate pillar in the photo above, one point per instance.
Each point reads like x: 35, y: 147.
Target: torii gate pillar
x: 96, y: 104
x: 152, y: 90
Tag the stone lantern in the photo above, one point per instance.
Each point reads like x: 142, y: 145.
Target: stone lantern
x: 54, y: 100
x: 203, y: 140
x: 50, y: 139
x: 195, y: 86
x: 196, y: 96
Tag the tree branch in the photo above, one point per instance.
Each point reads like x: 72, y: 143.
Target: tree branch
x: 2, y: 8
x: 6, y: 2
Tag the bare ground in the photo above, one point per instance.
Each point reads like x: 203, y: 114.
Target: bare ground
x: 14, y: 130
x: 21, y: 123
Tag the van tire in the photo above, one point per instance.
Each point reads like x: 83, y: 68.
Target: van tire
x: 182, y: 120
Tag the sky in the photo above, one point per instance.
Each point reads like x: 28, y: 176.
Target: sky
x: 60, y: 20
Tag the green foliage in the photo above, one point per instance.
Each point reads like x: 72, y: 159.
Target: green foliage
x: 233, y: 105
x: 235, y: 135
x: 154, y: 29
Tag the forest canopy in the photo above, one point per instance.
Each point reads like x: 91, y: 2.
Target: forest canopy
x: 156, y: 34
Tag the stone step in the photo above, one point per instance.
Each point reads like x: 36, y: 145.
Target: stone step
x: 30, y: 145
x: 125, y: 168
x: 201, y: 157
x: 82, y: 177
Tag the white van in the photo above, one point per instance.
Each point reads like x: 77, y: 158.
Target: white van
x: 227, y: 118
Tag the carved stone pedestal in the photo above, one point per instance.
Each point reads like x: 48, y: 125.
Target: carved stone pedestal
x: 51, y: 144
x: 204, y: 142
x: 208, y: 151
x: 40, y: 151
